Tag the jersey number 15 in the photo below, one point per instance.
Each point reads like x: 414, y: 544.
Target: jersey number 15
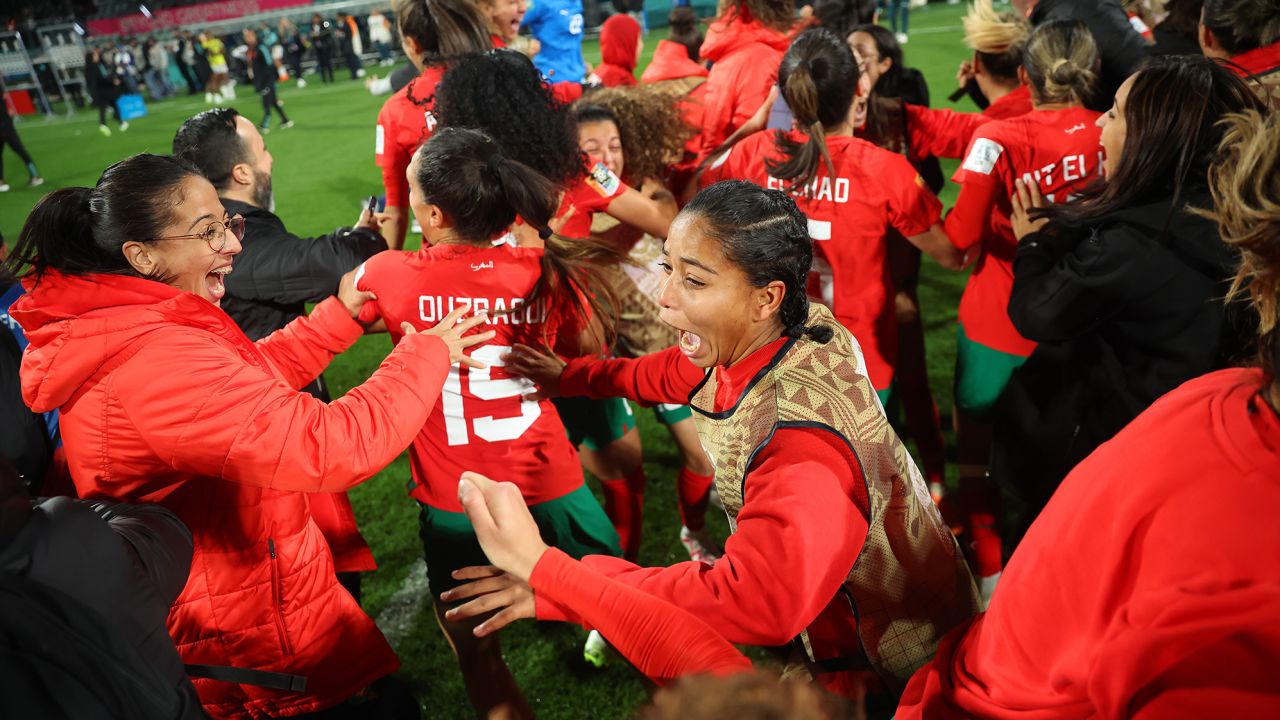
x: 483, y: 386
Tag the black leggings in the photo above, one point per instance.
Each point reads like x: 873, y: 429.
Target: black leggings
x: 102, y: 113
x: 270, y: 102
x: 9, y: 136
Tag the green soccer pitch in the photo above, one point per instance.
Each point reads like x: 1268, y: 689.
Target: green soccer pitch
x: 323, y: 168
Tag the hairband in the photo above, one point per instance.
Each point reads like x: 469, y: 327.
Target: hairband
x: 544, y: 233
x: 494, y: 161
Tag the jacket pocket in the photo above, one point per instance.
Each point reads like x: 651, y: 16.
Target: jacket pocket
x: 277, y: 599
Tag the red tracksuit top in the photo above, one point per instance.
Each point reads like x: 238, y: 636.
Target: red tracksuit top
x: 404, y: 123
x: 1149, y: 587
x: 874, y: 190
x: 482, y: 423
x: 663, y: 641
x: 1059, y: 150
x: 801, y: 527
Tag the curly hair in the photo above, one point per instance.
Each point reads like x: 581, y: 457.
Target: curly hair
x: 1246, y: 196
x: 652, y: 128
x: 501, y: 94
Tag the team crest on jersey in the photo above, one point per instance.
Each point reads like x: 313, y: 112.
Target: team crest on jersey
x: 982, y: 156
x: 602, y: 180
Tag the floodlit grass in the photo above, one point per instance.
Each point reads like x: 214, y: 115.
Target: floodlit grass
x: 324, y: 167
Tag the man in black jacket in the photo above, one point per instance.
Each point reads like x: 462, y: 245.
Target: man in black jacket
x: 1120, y: 45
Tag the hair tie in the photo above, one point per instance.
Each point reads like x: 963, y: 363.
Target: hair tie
x: 494, y: 161
x: 544, y: 233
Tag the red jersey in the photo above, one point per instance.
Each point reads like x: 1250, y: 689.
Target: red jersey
x: 849, y: 216
x: 1011, y: 105
x: 1056, y: 149
x: 598, y: 187
x: 1147, y: 588
x: 482, y: 422
x: 404, y: 123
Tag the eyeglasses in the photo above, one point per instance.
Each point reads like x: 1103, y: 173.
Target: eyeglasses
x: 215, y: 236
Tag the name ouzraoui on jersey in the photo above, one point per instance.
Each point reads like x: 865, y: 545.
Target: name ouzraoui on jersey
x: 502, y: 311
x: 818, y: 189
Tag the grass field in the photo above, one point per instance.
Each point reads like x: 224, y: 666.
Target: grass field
x: 323, y: 167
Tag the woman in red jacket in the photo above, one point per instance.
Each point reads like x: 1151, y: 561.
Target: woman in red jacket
x: 430, y: 30
x: 620, y: 48
x: 805, y: 461
x: 164, y: 400
x: 1121, y: 600
x: 744, y: 45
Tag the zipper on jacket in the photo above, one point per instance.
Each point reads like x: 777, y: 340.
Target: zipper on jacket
x: 277, y: 596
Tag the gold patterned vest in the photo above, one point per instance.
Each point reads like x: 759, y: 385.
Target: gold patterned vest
x: 910, y: 584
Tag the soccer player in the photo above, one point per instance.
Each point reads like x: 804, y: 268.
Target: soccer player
x: 466, y: 194
x: 837, y: 548
x: 502, y: 94
x: 638, y: 133
x: 851, y: 191
x: 1056, y: 147
x: 430, y: 30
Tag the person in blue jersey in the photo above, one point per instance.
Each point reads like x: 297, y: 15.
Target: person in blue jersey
x: 557, y: 25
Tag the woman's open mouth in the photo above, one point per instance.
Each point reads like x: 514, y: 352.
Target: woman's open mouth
x: 216, y: 283
x: 690, y: 343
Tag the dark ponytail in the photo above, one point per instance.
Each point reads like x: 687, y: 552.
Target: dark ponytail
x: 764, y: 235
x: 482, y: 191
x: 819, y: 79
x: 80, y: 231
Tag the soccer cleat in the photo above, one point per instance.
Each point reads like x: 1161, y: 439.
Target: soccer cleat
x: 595, y: 650
x: 287, y: 124
x: 302, y: 83
x: 901, y: 38
x: 106, y: 131
x: 36, y: 181
x: 699, y: 546
x: 4, y: 186
x: 264, y: 129
x: 208, y: 97
x: 124, y: 126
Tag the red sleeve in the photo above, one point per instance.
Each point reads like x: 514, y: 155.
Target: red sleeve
x: 663, y: 641
x: 301, y: 350
x: 392, y: 158
x: 799, y: 534
x: 733, y: 96
x: 732, y: 165
x: 566, y: 92
x: 662, y: 377
x: 913, y: 208
x: 940, y: 132
x: 243, y: 424
x: 981, y: 179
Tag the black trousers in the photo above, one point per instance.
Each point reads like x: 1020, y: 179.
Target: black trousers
x: 324, y: 63
x: 9, y: 136
x: 271, y: 102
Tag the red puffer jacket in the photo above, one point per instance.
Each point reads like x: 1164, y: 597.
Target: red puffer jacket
x: 165, y: 400
x: 745, y: 58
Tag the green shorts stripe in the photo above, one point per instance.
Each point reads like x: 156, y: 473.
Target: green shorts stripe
x: 595, y: 423
x: 982, y: 373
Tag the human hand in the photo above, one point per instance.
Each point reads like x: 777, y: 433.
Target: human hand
x: 353, y: 298
x: 544, y: 368
x: 371, y: 220
x: 506, y: 531
x: 453, y: 330
x: 1026, y: 197
x: 965, y: 73
x: 507, y: 596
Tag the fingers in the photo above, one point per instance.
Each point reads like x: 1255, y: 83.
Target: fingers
x: 1033, y: 193
x: 476, y: 572
x: 497, y: 622
x: 470, y: 340
x: 479, y: 606
x: 452, y: 318
x: 475, y: 503
x: 462, y: 327
x: 471, y: 362
x: 408, y: 329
